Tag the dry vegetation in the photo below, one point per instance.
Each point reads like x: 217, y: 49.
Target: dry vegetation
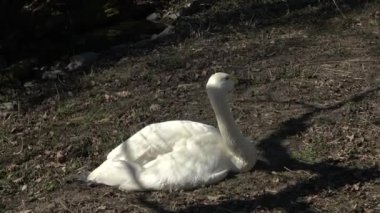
x: 310, y: 98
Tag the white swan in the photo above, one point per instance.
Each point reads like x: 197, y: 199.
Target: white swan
x: 176, y: 155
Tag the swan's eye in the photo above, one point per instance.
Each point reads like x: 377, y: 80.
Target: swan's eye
x: 227, y: 78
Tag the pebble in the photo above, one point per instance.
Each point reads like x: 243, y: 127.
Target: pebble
x: 154, y: 107
x: 82, y: 60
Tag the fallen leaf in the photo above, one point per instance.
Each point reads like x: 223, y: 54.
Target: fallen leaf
x: 214, y: 197
x: 18, y: 180
x: 24, y: 187
x: 124, y: 94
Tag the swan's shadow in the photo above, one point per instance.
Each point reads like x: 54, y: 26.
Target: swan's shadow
x: 329, y: 175
x: 277, y: 157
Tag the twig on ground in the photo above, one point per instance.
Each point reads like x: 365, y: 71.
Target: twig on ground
x: 340, y: 11
x: 64, y: 206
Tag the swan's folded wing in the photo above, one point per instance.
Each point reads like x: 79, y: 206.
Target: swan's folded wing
x: 199, y: 161
x: 157, y: 139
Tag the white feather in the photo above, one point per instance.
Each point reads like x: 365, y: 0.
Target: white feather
x: 176, y: 155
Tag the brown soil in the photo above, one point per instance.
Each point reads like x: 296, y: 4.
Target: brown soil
x: 310, y: 98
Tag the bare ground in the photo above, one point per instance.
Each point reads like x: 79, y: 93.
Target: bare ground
x: 310, y: 98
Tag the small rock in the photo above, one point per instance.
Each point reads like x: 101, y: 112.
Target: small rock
x: 102, y: 207
x: 167, y: 31
x: 51, y: 75
x: 82, y: 60
x: 355, y: 187
x: 172, y: 16
x: 214, y: 198
x: 154, y: 107
x: 24, y: 187
x: 8, y: 106
x: 153, y: 17
x: 109, y: 97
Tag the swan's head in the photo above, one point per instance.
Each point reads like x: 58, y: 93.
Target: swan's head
x: 220, y: 81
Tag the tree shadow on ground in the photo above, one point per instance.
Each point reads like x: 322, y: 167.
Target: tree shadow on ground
x: 265, y: 13
x: 329, y: 175
x: 259, y: 15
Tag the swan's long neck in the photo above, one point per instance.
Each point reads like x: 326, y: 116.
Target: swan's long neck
x: 226, y: 123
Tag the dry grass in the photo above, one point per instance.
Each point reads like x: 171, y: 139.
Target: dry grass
x: 311, y: 100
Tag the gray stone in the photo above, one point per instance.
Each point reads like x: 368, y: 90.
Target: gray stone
x: 82, y: 60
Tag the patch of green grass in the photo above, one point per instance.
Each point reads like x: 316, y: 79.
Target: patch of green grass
x: 66, y: 108
x: 93, y: 115
x: 171, y: 61
x: 292, y: 72
x: 51, y: 186
x: 353, y: 108
x: 306, y: 154
x: 77, y: 112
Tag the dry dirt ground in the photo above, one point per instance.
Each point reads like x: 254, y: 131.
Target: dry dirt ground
x: 309, y: 96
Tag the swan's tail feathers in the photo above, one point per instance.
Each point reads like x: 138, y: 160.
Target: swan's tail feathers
x: 79, y: 179
x: 117, y: 173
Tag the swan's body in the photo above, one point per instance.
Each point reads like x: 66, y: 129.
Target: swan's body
x: 177, y: 155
